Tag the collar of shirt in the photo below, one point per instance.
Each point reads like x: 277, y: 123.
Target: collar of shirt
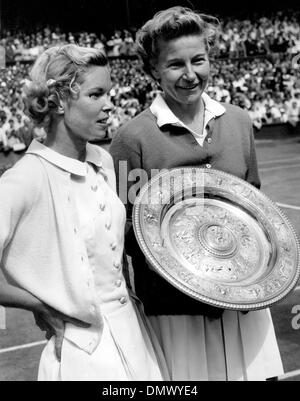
x: 68, y: 164
x: 164, y: 114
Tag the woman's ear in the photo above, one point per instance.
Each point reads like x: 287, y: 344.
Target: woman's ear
x: 61, y: 108
x: 155, y: 73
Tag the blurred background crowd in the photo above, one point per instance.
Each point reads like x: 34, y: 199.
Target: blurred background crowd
x: 255, y: 67
x: 277, y: 33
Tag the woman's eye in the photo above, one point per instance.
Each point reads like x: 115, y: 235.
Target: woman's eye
x: 199, y: 60
x: 94, y: 95
x: 175, y: 65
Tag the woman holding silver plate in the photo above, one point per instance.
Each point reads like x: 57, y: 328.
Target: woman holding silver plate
x: 185, y: 127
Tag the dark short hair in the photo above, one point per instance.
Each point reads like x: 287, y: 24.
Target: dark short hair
x: 174, y: 23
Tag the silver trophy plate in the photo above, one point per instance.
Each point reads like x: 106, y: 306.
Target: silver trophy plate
x: 216, y: 238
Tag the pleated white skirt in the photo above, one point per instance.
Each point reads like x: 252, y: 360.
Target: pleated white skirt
x: 236, y: 347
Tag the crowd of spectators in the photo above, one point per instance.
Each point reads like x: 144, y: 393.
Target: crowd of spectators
x: 21, y: 46
x: 256, y: 36
x: 278, y: 33
x: 267, y: 87
x: 16, y: 130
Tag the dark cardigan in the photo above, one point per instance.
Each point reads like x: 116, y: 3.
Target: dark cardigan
x: 229, y: 146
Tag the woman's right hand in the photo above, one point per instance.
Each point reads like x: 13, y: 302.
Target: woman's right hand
x: 53, y: 323
x: 47, y: 318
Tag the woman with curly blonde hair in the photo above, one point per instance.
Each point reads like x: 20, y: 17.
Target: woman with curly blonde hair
x: 62, y: 230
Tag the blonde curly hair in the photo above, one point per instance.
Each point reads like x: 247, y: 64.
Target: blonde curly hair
x: 56, y: 75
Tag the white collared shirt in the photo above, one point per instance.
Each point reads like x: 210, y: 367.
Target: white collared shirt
x: 164, y: 114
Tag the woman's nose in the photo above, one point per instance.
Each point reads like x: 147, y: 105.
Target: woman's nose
x: 189, y: 73
x: 108, y: 105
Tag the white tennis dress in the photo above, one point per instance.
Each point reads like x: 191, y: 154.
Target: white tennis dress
x: 128, y: 349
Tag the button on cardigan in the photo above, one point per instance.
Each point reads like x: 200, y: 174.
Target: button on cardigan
x: 41, y: 248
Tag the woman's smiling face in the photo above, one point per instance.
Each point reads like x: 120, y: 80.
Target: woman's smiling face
x: 182, y: 69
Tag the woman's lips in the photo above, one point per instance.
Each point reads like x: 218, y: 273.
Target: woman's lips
x: 102, y: 121
x: 190, y: 87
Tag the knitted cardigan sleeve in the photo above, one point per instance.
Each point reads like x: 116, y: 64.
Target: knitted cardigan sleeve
x: 18, y: 192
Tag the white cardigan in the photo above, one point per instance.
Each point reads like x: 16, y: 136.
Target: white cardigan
x: 41, y: 248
